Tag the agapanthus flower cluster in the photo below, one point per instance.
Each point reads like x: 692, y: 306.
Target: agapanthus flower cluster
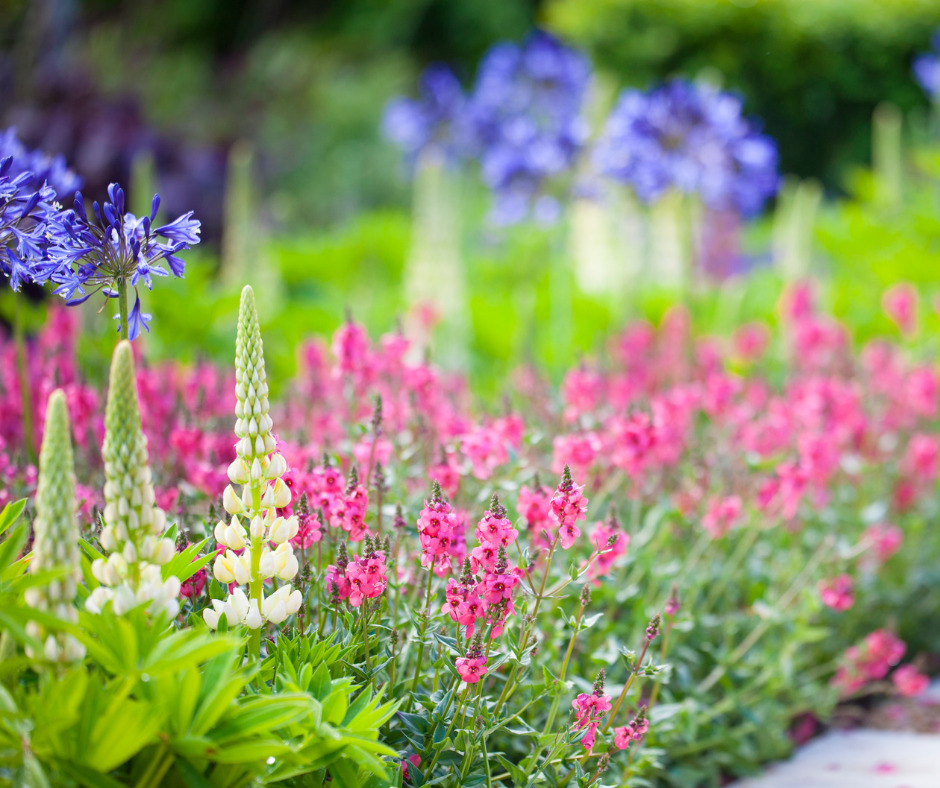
x: 527, y: 115
x: 927, y: 68
x: 26, y: 208
x: 113, y: 250
x: 590, y: 709
x: 691, y: 138
x: 44, y: 168
x: 133, y: 531
x: 435, y: 123
x: 523, y: 121
x: 255, y: 523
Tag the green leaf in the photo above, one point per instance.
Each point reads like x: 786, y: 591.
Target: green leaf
x: 11, y: 513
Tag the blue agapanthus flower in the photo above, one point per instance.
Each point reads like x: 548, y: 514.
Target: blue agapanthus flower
x: 25, y: 211
x: 43, y: 167
x: 433, y: 123
x: 114, y: 249
x: 526, y: 113
x: 691, y: 138
x: 927, y: 68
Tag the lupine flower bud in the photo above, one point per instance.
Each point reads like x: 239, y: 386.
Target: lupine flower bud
x: 55, y: 545
x: 134, y: 525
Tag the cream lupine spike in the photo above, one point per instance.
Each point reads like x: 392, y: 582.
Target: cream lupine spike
x: 258, y: 469
x: 133, y: 524
x: 56, y: 535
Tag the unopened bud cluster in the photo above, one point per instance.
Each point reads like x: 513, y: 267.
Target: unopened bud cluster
x: 249, y: 559
x: 133, y: 525
x: 56, y: 542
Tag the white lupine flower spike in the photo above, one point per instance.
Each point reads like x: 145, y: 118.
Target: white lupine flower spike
x: 255, y: 524
x: 133, y: 523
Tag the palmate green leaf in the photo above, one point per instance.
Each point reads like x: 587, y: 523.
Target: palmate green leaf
x: 185, y: 563
x: 10, y: 514
x: 221, y: 685
x: 262, y: 713
x: 88, y: 778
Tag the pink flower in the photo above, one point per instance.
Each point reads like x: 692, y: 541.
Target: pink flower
x: 568, y: 506
x: 471, y: 670
x: 414, y: 759
x: 722, y: 515
x: 589, y: 709
x: 885, y: 539
x: 909, y: 681
x: 838, y: 593
x: 309, y: 533
x: 899, y: 303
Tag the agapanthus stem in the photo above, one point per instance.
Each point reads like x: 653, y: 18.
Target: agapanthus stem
x: 22, y: 371
x: 123, y: 314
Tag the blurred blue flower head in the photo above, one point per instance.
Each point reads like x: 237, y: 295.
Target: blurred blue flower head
x: 435, y: 122
x: 526, y: 113
x: 691, y: 138
x: 27, y: 205
x: 42, y: 167
x: 927, y: 69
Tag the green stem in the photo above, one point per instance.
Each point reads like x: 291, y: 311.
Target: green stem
x: 524, y: 637
x: 22, y: 372
x: 122, y: 306
x: 549, y: 721
x: 424, y: 629
x: 453, y: 719
x: 626, y: 687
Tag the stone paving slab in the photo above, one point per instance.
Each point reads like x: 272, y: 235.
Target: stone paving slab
x: 858, y: 759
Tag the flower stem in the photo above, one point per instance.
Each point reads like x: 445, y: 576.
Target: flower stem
x: 424, y: 629
x: 122, y: 306
x: 22, y: 372
x: 626, y: 687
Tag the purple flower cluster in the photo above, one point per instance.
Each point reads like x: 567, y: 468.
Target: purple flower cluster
x: 927, y: 68
x: 107, y: 253
x: 692, y: 138
x: 528, y: 123
x: 87, y: 255
x: 27, y: 204
x: 435, y: 122
x: 523, y: 122
x: 41, y: 167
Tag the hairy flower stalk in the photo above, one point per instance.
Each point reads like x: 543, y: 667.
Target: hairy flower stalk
x: 133, y: 524
x: 56, y: 541
x: 255, y: 524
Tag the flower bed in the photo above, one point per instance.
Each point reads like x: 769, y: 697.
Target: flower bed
x: 649, y: 576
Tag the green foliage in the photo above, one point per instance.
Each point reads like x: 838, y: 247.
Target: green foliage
x: 812, y: 71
